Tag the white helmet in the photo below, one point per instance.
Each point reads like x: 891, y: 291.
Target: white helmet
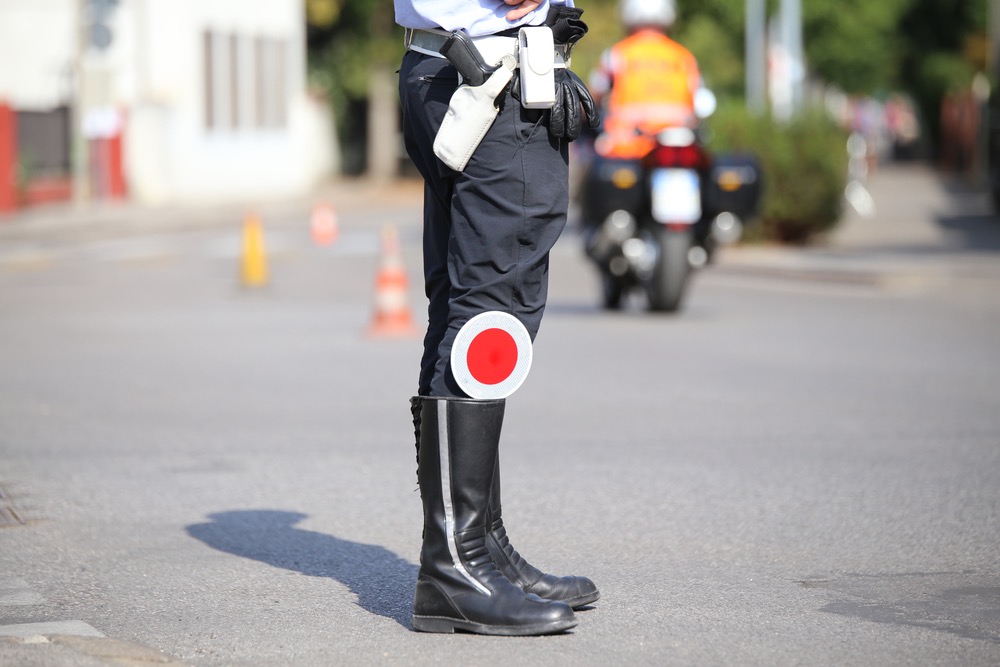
x: 637, y: 13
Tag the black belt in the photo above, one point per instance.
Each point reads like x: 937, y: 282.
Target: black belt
x: 430, y: 41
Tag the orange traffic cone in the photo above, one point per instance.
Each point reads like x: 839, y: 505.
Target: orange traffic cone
x: 323, y: 224
x: 253, y: 264
x: 392, y: 316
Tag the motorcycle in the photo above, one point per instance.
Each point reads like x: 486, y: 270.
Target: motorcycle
x: 648, y: 223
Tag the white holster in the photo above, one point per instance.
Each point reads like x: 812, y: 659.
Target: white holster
x: 470, y: 115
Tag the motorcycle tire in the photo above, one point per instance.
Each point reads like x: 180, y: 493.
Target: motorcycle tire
x: 667, y: 285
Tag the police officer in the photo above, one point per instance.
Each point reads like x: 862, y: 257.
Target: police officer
x: 489, y: 223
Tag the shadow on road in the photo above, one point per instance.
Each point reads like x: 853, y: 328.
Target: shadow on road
x: 971, y: 223
x: 382, y: 581
x: 974, y: 231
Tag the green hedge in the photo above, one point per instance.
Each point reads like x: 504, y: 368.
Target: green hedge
x: 804, y: 165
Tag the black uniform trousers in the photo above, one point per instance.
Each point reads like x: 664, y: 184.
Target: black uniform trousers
x: 487, y: 230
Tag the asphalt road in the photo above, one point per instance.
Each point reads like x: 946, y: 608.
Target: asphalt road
x: 802, y: 468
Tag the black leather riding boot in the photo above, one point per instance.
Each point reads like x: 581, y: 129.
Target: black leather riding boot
x: 575, y: 591
x: 459, y: 586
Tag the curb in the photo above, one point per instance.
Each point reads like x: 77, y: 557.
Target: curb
x: 875, y: 267
x: 78, y: 651
x: 70, y: 222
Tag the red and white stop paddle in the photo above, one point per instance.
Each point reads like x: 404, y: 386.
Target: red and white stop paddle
x: 491, y: 355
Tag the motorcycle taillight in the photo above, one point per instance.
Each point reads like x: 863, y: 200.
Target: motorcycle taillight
x: 684, y: 157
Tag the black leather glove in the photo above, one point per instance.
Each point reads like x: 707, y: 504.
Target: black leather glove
x: 567, y: 26
x: 565, y: 117
x: 565, y: 120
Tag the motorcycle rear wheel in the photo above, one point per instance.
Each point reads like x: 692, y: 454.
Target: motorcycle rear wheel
x: 666, y: 287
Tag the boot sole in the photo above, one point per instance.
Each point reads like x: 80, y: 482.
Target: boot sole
x: 451, y: 625
x: 582, y: 601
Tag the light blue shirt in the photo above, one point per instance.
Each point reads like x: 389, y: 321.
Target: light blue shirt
x: 477, y: 17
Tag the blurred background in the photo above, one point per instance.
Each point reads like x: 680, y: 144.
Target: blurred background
x: 183, y: 102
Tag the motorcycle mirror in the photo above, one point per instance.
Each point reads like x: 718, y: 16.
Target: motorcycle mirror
x: 704, y: 103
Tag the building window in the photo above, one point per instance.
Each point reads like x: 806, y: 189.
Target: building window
x: 245, y: 82
x: 234, y: 80
x: 211, y: 121
x: 259, y: 62
x: 272, y: 97
x: 221, y: 61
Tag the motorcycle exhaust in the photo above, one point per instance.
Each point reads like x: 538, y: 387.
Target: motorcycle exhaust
x: 727, y: 228
x: 619, y: 226
x: 641, y: 255
x: 608, y: 239
x: 697, y: 256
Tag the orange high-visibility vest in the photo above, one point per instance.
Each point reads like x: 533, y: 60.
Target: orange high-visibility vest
x: 653, y: 84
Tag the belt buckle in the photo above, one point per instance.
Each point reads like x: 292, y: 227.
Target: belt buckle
x: 408, y: 38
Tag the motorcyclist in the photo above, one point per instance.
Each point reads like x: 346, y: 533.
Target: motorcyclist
x: 646, y: 82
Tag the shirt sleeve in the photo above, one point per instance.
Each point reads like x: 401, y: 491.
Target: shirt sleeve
x: 476, y: 17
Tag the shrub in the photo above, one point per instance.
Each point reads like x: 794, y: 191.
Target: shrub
x: 804, y: 164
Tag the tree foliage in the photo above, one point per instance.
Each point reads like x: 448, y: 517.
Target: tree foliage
x: 719, y: 53
x: 944, y: 49
x: 854, y: 44
x: 601, y: 17
x: 346, y: 39
x: 804, y: 169
x: 323, y: 13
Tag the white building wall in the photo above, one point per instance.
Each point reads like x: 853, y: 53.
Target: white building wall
x: 173, y: 154
x: 155, y: 73
x: 37, y: 49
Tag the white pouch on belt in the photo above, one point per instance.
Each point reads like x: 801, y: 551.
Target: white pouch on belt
x: 470, y: 115
x: 536, y: 50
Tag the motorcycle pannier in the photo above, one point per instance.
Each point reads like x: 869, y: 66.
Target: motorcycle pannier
x: 733, y: 185
x: 610, y: 185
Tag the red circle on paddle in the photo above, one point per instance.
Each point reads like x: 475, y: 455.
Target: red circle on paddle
x: 492, y: 356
